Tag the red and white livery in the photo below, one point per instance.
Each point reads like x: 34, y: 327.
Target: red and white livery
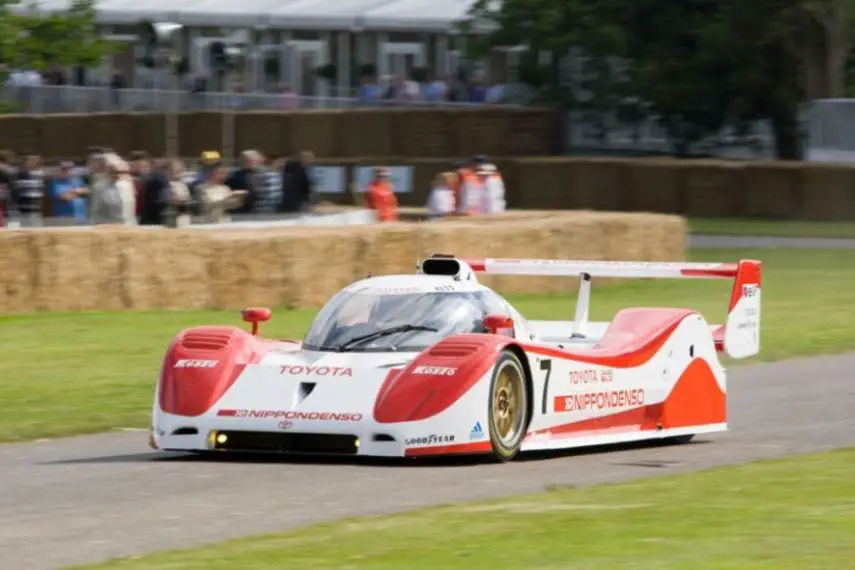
x: 437, y: 363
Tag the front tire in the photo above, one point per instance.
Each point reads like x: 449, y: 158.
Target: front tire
x: 508, y: 406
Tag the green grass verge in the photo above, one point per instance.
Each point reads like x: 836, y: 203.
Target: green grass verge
x: 797, y: 513
x: 87, y: 372
x: 776, y: 228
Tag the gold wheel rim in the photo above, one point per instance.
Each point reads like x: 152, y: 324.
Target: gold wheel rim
x: 507, y: 400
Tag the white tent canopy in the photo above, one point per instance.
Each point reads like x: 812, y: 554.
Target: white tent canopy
x: 345, y: 15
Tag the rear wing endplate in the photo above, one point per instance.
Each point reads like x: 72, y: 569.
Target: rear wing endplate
x: 739, y: 337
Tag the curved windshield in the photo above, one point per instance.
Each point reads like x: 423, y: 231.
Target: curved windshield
x: 368, y: 320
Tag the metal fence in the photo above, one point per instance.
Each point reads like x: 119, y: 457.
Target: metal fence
x: 827, y: 125
x: 46, y: 99
x: 831, y: 130
x: 827, y: 128
x: 603, y: 133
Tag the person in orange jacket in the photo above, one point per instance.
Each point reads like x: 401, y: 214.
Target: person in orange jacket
x: 380, y: 196
x: 476, y: 192
x: 465, y: 172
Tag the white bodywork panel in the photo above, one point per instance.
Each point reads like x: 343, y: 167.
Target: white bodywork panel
x: 565, y: 391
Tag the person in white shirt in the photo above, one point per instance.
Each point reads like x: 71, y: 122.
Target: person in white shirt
x: 217, y: 198
x: 113, y: 196
x: 412, y: 90
x: 495, y: 94
x: 441, y: 200
x: 178, y: 198
x: 495, y: 190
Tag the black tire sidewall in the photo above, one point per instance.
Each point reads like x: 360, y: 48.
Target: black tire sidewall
x: 502, y: 452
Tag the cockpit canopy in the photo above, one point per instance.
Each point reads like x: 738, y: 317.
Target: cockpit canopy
x: 369, y: 309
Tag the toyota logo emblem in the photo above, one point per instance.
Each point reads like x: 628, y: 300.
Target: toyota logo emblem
x: 285, y: 424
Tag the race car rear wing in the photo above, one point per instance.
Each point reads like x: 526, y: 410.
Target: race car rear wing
x: 739, y: 337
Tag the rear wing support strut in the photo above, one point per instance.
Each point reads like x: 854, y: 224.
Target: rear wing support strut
x: 583, y: 306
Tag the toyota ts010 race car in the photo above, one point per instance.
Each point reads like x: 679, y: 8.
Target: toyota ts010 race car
x: 437, y: 363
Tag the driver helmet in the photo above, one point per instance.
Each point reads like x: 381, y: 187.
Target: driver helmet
x: 449, y: 311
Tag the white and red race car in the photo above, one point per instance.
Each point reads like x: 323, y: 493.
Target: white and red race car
x: 437, y: 363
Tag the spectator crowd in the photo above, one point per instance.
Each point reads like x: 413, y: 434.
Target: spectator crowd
x: 433, y: 89
x: 141, y: 190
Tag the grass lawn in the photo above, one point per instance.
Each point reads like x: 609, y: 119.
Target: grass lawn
x: 77, y: 373
x: 785, y: 228
x: 797, y: 513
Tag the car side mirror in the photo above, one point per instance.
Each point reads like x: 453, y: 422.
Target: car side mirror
x: 499, y: 324
x: 256, y: 315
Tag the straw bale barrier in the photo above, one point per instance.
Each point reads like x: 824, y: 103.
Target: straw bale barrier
x: 410, y: 132
x: 113, y: 268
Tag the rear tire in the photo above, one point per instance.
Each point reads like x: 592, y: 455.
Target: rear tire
x: 507, y: 407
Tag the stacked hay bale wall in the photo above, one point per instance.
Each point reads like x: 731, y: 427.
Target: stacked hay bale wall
x: 108, y: 268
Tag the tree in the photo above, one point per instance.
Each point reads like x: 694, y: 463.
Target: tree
x: 39, y: 40
x: 836, y: 22
x: 696, y: 65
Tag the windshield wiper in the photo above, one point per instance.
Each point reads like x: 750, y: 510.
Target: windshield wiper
x: 384, y: 332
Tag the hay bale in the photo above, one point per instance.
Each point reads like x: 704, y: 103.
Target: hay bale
x: 109, y: 268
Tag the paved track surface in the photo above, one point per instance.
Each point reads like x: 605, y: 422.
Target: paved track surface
x: 87, y: 499
x: 700, y: 240
x: 90, y: 498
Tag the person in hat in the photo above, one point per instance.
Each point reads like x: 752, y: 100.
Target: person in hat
x: 208, y: 161
x: 482, y: 193
x: 380, y: 196
x: 67, y: 193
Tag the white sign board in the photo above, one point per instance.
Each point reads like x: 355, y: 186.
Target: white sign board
x: 401, y: 178
x: 329, y: 179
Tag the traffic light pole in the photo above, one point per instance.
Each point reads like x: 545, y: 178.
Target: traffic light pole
x: 162, y: 43
x: 173, y: 108
x: 228, y: 131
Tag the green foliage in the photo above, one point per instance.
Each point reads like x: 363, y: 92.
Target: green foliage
x: 327, y: 72
x: 697, y: 65
x: 11, y: 108
x: 40, y: 40
x: 367, y: 70
x: 419, y: 74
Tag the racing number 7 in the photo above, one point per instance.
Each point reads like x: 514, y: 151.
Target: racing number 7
x: 547, y: 366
